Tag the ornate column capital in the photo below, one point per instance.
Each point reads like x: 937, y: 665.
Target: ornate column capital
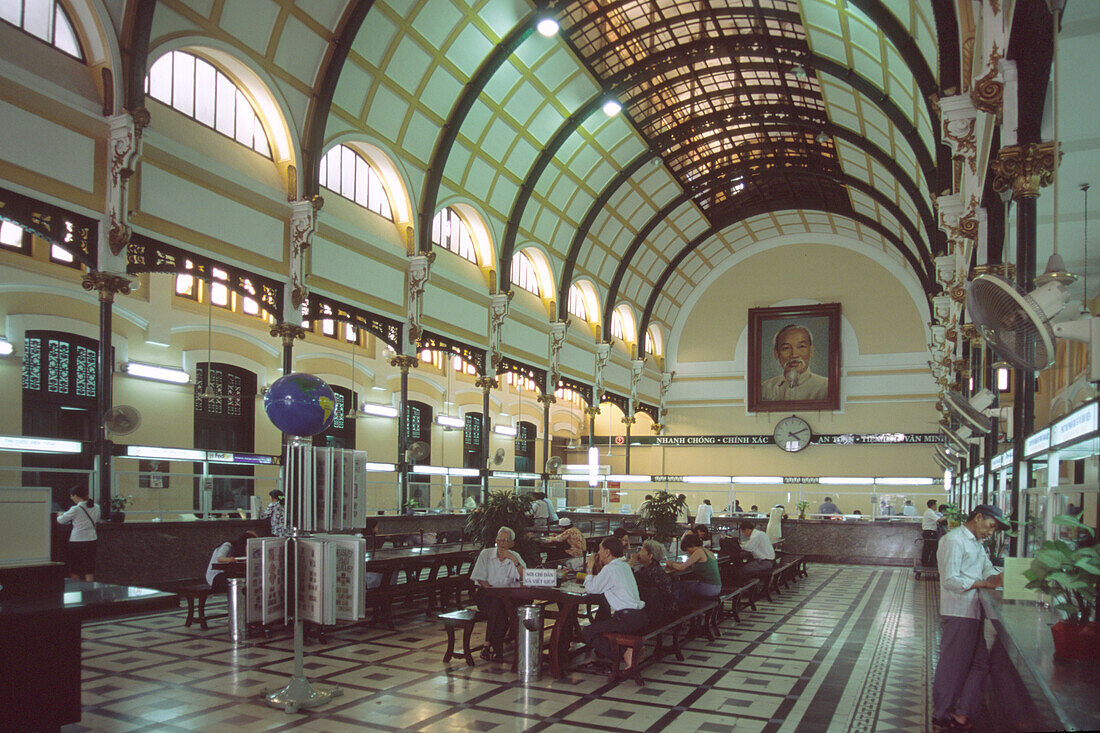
x: 108, y: 284
x: 592, y: 411
x: 486, y: 383
x: 498, y: 312
x: 420, y: 268
x: 546, y: 399
x: 405, y: 362
x: 288, y: 332
x: 124, y: 150
x: 1024, y: 169
x: 657, y: 428
x: 629, y: 420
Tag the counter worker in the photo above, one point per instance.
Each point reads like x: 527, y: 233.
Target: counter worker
x: 496, y: 567
x: 575, y: 544
x: 930, y: 531
x: 553, y: 519
x: 828, y: 507
x: 683, y: 517
x: 539, y: 510
x: 958, y: 688
x: 276, y: 511
x: 704, y: 513
x: 908, y: 509
x: 83, y: 515
x: 226, y: 552
x: 615, y: 581
x: 757, y: 544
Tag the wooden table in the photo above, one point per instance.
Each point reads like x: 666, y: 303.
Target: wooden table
x: 567, y: 599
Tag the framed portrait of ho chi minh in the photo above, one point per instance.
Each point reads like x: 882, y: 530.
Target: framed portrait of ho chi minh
x: 794, y: 358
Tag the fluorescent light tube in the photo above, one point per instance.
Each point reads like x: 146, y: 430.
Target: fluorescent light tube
x: 463, y: 472
x: 6, y: 347
x: 450, y: 422
x: 706, y: 479
x: 370, y: 408
x: 156, y: 373
x: 505, y: 430
x: 756, y: 479
x: 628, y: 478
x: 846, y: 480
x: 905, y: 481
x: 431, y: 470
x: 379, y: 466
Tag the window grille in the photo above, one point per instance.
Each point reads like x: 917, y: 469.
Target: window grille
x: 576, y: 302
x: 523, y: 273
x: 45, y: 20
x: 346, y: 172
x: 450, y: 232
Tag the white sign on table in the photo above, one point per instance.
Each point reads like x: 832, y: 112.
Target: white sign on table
x: 540, y: 577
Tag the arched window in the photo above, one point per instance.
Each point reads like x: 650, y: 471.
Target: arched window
x: 196, y: 88
x: 45, y: 19
x: 622, y: 324
x: 341, y: 434
x: 225, y: 420
x: 523, y: 273
x: 471, y: 454
x: 653, y: 344
x: 345, y: 172
x: 526, y: 435
x: 450, y: 232
x: 576, y: 302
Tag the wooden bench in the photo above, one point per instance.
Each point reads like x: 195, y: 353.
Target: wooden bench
x: 735, y: 597
x: 696, y: 614
x: 784, y: 572
x: 464, y: 619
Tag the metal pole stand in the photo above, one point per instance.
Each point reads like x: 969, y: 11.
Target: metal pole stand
x: 299, y: 693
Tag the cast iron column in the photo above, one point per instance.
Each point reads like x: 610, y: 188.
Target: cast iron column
x: 107, y: 285
x: 404, y: 362
x: 546, y: 400
x: 485, y: 384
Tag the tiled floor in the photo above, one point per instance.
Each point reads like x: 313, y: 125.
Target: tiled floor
x: 849, y: 648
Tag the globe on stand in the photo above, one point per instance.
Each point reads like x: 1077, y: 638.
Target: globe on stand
x: 300, y: 404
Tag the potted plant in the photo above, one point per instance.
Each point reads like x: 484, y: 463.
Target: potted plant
x: 997, y: 544
x: 502, y: 509
x: 118, y: 507
x: 659, y: 515
x: 802, y: 506
x: 954, y: 515
x: 1069, y: 574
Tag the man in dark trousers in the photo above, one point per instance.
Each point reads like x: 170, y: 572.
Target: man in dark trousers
x: 959, y: 684
x: 930, y: 531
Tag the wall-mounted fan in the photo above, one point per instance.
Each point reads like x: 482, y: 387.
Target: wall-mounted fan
x: 122, y: 420
x: 418, y: 451
x: 498, y: 457
x: 553, y: 465
x: 955, y: 440
x: 972, y: 412
x: 946, y: 455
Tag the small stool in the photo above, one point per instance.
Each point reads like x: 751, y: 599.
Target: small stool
x: 193, y: 592
x: 464, y: 618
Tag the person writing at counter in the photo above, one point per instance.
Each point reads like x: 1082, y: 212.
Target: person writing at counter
x: 83, y: 515
x: 496, y: 567
x: 828, y: 507
x: 615, y: 580
x: 958, y: 688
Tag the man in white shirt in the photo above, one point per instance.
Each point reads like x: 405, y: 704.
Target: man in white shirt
x: 615, y: 580
x: 704, y: 513
x: 959, y: 685
x: 496, y: 567
x: 759, y: 545
x: 908, y: 509
x: 930, y: 531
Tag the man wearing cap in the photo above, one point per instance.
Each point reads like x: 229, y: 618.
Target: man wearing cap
x: 574, y: 543
x: 276, y: 510
x: 959, y: 685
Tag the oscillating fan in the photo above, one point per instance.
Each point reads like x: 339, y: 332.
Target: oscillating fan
x: 971, y: 413
x: 553, y: 465
x: 1015, y: 324
x: 498, y: 457
x: 418, y: 451
x: 122, y: 420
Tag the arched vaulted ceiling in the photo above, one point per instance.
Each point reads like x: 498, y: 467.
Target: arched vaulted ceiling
x: 734, y: 113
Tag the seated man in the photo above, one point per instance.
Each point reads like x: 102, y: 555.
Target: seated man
x: 757, y: 544
x: 654, y: 587
x: 828, y: 507
x: 227, y: 552
x: 496, y: 567
x: 616, y: 582
x: 574, y: 542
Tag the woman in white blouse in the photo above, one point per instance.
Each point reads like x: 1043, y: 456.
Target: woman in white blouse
x: 82, y: 541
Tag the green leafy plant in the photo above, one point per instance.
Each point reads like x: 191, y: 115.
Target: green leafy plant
x: 660, y: 513
x: 997, y: 544
x: 802, y: 506
x: 118, y: 503
x: 502, y: 509
x: 954, y: 515
x: 1067, y: 573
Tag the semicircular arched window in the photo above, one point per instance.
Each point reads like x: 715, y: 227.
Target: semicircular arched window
x: 44, y: 19
x: 347, y: 173
x: 523, y: 273
x: 196, y: 88
x: 450, y: 232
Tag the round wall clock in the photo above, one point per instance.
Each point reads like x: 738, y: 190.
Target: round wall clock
x: 792, y: 434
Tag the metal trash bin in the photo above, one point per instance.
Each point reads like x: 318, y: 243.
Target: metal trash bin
x: 238, y: 610
x: 529, y: 644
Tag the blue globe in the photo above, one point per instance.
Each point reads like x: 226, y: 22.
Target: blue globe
x: 300, y: 404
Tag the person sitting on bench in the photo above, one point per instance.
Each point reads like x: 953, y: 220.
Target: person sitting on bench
x: 496, y: 567
x: 571, y: 545
x: 615, y: 581
x: 759, y: 545
x: 705, y: 581
x: 227, y: 552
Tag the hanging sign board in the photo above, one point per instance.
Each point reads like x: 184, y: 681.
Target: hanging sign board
x: 1037, y: 443
x: 1077, y: 424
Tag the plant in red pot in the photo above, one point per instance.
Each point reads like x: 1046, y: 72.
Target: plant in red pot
x: 1068, y: 572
